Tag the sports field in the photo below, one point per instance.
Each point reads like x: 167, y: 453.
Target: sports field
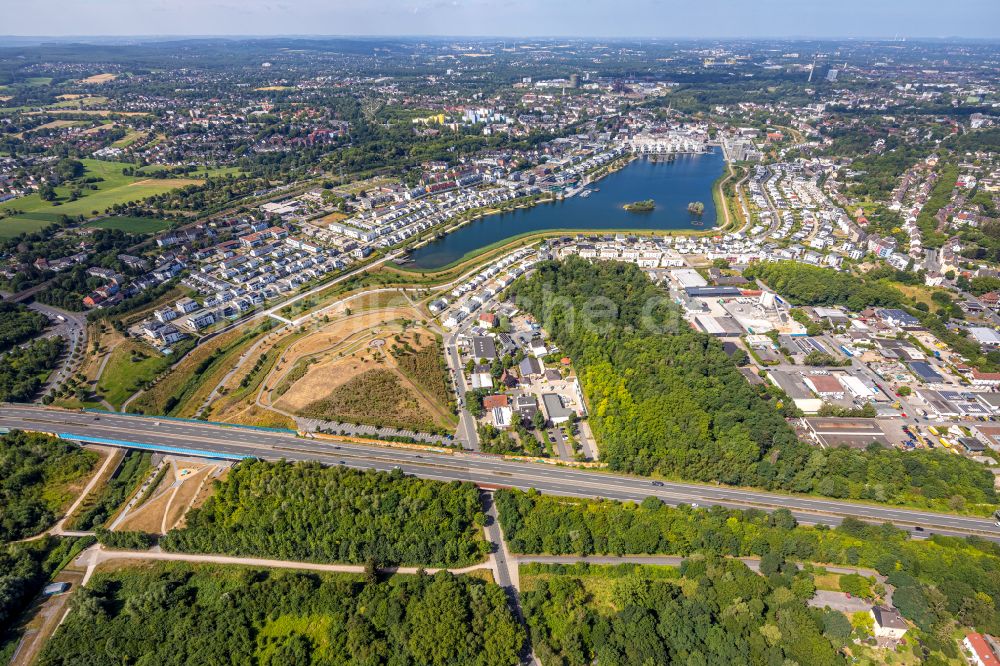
x: 34, y: 213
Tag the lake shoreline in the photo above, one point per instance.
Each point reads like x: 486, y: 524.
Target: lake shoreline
x: 674, y: 183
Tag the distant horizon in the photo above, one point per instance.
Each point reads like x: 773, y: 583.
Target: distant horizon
x: 515, y: 19
x: 146, y: 38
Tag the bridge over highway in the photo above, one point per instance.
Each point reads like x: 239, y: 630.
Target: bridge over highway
x: 197, y: 438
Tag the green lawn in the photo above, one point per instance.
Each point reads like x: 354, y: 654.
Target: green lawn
x: 114, y: 189
x: 15, y: 226
x: 122, y: 376
x: 135, y: 225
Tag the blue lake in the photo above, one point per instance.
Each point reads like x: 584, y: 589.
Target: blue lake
x: 672, y: 185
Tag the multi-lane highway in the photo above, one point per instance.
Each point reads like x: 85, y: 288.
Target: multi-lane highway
x: 196, y: 438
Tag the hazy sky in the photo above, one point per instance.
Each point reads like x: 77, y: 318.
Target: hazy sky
x: 645, y: 18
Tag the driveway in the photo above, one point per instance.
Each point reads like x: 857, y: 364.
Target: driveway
x: 839, y: 601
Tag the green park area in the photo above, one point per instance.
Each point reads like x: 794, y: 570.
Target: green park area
x: 110, y: 187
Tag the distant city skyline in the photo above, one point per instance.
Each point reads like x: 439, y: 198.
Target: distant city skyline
x: 979, y: 19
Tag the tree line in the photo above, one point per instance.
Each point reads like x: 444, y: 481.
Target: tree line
x: 23, y: 369
x: 19, y: 324
x: 25, y: 568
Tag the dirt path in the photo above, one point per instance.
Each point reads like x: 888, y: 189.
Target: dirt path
x: 348, y: 344
x: 49, y: 613
x: 239, y: 364
x: 291, y: 356
x: 109, y: 459
x: 96, y: 555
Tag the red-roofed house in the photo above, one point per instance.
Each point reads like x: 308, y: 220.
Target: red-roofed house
x: 492, y: 401
x: 979, y: 650
x: 990, y: 299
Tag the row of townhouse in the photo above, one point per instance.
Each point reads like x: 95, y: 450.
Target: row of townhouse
x: 488, y: 283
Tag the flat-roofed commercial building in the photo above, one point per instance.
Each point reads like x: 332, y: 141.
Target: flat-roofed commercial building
x: 855, y: 433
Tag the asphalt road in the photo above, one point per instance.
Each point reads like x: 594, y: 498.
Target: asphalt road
x: 466, y: 432
x: 207, y: 439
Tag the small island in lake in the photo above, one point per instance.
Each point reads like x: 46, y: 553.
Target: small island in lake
x: 641, y: 206
x: 696, y: 208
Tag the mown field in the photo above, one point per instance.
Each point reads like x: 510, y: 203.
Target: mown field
x: 131, y: 365
x: 133, y: 225
x: 34, y: 213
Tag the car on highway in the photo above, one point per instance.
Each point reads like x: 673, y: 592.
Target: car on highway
x: 658, y: 484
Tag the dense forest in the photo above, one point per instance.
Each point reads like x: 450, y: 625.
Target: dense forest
x: 23, y: 369
x: 665, y: 398
x: 719, y: 612
x: 18, y: 324
x: 305, y: 511
x: 938, y: 581
x: 179, y: 614
x: 812, y: 285
x: 35, y: 474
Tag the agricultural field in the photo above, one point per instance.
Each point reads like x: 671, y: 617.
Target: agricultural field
x: 28, y: 223
x: 78, y: 101
x: 99, y: 78
x: 34, y: 213
x: 132, y: 225
x: 55, y: 124
x: 366, y: 367
x: 132, y: 136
